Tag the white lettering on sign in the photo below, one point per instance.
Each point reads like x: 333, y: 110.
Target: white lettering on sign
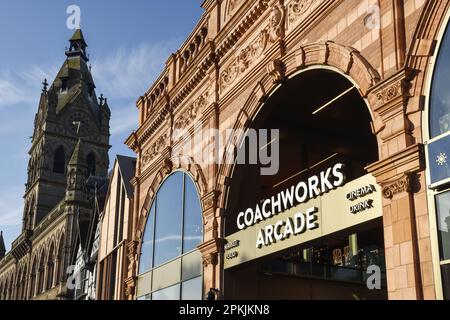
x: 282, y: 230
x: 361, y: 192
x: 358, y: 194
x: 315, y: 186
x: 362, y: 206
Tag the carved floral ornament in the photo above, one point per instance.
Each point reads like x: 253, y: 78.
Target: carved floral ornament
x: 155, y: 149
x: 390, y: 93
x: 298, y: 8
x: 192, y: 112
x: 272, y: 33
x: 404, y: 184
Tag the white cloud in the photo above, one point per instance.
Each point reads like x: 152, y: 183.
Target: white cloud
x: 10, y: 94
x: 128, y: 72
x: 123, y: 119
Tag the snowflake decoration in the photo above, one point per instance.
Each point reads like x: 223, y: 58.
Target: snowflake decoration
x: 441, y: 159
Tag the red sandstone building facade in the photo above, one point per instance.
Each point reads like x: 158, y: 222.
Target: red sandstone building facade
x: 292, y: 65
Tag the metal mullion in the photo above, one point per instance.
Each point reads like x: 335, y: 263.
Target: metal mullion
x: 182, y: 232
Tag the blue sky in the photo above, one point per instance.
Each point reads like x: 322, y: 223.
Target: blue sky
x: 129, y: 42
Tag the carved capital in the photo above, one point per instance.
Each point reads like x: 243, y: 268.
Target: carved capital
x: 403, y: 184
x: 209, y: 259
x: 210, y: 251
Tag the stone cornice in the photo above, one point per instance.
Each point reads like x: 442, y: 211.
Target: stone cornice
x: 409, y: 160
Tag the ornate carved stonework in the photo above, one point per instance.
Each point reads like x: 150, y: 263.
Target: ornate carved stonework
x: 209, y: 259
x: 404, y: 184
x: 298, y: 8
x: 155, y: 149
x: 273, y: 33
x: 277, y: 70
x: 390, y: 93
x: 275, y: 29
x: 192, y: 112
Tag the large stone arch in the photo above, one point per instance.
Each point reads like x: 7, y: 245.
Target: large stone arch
x: 423, y: 50
x: 342, y: 59
x: 184, y: 163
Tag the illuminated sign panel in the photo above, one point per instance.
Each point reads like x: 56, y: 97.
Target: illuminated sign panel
x: 328, y: 205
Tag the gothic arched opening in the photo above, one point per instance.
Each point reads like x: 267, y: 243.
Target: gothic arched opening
x: 59, y: 161
x: 322, y: 121
x: 91, y: 164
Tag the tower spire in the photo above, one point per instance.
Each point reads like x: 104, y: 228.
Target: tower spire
x: 2, y: 246
x: 77, y: 46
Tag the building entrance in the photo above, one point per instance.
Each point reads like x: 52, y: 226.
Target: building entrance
x: 314, y: 229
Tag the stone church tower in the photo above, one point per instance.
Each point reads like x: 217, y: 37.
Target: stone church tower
x: 68, y: 111
x: 70, y: 143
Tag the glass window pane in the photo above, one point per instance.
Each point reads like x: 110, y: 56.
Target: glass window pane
x: 171, y: 293
x: 443, y: 212
x: 192, y: 289
x: 146, y: 260
x: 192, y: 265
x: 168, y: 220
x: 193, y: 225
x: 440, y: 95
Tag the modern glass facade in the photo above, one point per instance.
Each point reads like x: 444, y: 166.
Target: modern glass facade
x: 173, y: 231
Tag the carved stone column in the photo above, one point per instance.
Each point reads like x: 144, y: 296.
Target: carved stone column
x: 211, y: 252
x: 399, y: 176
x: 400, y: 172
x: 130, y: 282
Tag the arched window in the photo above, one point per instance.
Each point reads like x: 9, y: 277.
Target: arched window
x: 32, y: 291
x: 59, y: 161
x: 41, y: 273
x: 60, y: 273
x: 50, y: 267
x: 173, y: 231
x: 440, y: 93
x: 91, y: 163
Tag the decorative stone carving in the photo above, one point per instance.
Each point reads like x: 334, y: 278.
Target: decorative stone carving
x: 390, y: 93
x: 155, y: 149
x: 274, y: 32
x: 192, y: 112
x: 404, y: 184
x: 209, y: 259
x: 298, y: 8
x: 275, y: 29
x: 277, y: 70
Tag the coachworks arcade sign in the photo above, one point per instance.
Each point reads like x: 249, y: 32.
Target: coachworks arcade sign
x: 321, y: 205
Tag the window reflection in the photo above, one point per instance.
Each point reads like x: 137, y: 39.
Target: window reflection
x: 168, y: 220
x: 146, y: 261
x: 443, y: 212
x: 192, y: 220
x: 192, y: 289
x: 440, y: 93
x: 171, y: 293
x: 174, y: 229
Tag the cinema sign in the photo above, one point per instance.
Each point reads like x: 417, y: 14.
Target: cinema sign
x: 319, y: 206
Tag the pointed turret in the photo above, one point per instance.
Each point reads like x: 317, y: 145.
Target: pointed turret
x: 2, y: 246
x: 77, y: 46
x: 77, y: 174
x: 77, y: 155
